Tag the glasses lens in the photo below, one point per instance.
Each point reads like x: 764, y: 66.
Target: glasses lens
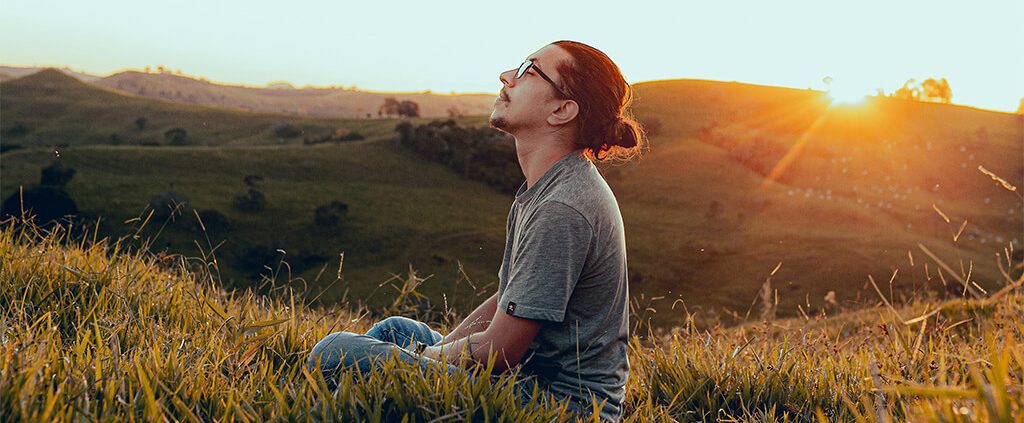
x: 523, y: 68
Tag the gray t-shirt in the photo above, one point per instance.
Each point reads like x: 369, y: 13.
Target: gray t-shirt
x: 565, y: 266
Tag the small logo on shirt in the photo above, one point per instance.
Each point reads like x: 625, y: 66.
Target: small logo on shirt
x: 511, y: 308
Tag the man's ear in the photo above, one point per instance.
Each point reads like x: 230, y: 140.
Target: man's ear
x: 565, y: 113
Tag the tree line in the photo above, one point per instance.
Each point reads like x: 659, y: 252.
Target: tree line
x: 478, y: 153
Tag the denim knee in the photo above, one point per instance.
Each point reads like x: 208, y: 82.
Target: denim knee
x: 388, y: 330
x: 329, y: 353
x: 383, y: 328
x: 346, y: 349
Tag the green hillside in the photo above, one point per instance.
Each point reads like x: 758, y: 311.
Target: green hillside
x: 708, y: 214
x: 57, y: 109
x: 707, y: 224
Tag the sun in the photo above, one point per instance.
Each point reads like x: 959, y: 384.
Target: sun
x: 843, y: 94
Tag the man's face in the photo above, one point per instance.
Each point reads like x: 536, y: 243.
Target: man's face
x: 526, y: 103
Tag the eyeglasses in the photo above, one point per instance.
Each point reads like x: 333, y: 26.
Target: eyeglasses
x: 529, y: 64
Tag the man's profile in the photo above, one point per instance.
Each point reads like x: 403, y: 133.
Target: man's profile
x: 561, y: 312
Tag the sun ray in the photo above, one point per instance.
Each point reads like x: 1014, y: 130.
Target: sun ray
x: 793, y: 151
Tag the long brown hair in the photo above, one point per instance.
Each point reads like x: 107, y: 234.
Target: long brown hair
x: 606, y: 129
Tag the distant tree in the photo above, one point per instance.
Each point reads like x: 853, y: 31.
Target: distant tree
x: 286, y: 130
x: 213, y: 221
x: 389, y: 108
x: 936, y: 90
x: 255, y: 257
x: 1020, y: 109
x: 909, y: 91
x: 44, y: 203
x: 176, y: 136
x: 329, y: 215
x: 933, y: 90
x: 56, y: 175
x: 115, y: 139
x: 408, y: 108
x: 250, y: 202
x: 169, y: 204
x: 404, y: 130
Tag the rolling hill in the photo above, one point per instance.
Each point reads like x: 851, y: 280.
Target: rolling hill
x: 739, y: 179
x: 285, y: 99
x: 276, y: 97
x: 14, y: 72
x: 862, y: 189
x: 56, y: 109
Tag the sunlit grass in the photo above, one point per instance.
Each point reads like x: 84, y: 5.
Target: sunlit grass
x: 98, y: 331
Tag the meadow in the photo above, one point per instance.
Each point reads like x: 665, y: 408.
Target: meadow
x: 95, y: 330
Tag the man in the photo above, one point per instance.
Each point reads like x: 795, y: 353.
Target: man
x: 561, y: 310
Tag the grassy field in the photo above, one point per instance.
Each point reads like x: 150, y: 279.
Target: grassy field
x: 395, y: 218
x: 93, y: 332
x: 885, y: 187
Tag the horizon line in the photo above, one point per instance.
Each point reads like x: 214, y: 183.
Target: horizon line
x: 452, y: 93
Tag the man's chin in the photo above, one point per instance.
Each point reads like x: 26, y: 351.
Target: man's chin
x: 499, y: 123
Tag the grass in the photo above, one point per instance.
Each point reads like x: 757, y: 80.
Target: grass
x: 94, y: 330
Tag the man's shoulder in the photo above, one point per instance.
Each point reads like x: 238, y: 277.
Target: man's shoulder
x: 583, y: 190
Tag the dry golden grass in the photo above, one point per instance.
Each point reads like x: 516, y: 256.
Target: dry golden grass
x: 94, y: 331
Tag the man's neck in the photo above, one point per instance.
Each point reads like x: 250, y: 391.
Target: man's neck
x: 537, y: 154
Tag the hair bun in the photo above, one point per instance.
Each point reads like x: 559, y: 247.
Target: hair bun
x: 625, y: 132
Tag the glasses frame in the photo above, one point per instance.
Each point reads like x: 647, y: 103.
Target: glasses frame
x: 527, y: 64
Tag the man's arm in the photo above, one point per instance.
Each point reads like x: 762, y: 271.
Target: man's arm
x: 507, y: 337
x: 477, y: 321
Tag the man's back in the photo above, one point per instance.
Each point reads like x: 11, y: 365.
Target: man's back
x: 565, y: 266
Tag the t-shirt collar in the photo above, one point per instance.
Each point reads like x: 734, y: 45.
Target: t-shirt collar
x: 523, y: 194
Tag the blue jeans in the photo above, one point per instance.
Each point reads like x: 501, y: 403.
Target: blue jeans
x: 388, y: 337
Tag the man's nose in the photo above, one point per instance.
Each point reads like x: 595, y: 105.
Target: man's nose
x: 506, y: 78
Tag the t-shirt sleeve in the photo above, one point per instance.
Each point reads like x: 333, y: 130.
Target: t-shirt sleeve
x: 552, y: 249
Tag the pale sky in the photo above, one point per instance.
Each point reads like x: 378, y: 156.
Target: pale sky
x: 461, y: 46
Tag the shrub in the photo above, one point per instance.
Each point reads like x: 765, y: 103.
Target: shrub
x: 286, y: 130
x: 46, y: 203
x: 176, y: 136
x: 255, y: 257
x: 250, y: 202
x: 329, y: 215
x: 169, y: 204
x: 214, y: 222
x: 56, y: 175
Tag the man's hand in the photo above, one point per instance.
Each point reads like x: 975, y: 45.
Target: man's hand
x: 477, y: 321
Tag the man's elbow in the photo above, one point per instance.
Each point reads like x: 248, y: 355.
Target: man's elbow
x: 506, y: 356
x: 505, y: 361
